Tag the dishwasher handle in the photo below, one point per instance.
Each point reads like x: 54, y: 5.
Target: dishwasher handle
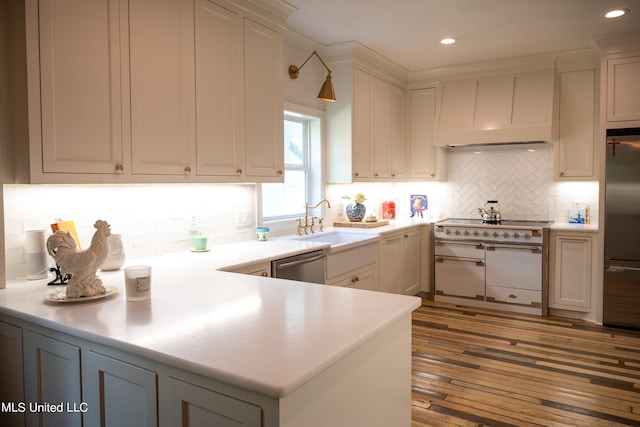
x: 290, y: 264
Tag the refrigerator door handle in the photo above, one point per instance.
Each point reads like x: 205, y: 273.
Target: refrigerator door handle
x: 615, y: 268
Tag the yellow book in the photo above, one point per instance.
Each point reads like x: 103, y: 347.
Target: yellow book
x: 67, y: 226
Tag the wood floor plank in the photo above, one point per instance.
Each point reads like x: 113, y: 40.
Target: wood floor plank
x: 480, y: 367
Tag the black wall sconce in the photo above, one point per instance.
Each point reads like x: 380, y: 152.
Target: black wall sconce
x: 326, y: 92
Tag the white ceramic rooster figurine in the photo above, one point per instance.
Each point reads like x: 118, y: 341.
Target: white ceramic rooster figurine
x: 81, y: 265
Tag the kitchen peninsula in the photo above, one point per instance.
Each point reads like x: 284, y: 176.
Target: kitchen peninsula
x: 215, y: 345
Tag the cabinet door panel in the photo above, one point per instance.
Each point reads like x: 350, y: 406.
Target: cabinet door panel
x: 398, y: 142
x: 52, y: 375
x: 577, y: 121
x: 11, y: 382
x: 422, y: 152
x: 162, y: 86
x: 117, y: 393
x: 220, y: 99
x: 196, y: 406
x: 571, y: 273
x: 264, y: 150
x: 623, y: 87
x: 362, y: 152
x: 410, y: 263
x: 390, y: 265
x: 80, y: 86
x: 381, y: 128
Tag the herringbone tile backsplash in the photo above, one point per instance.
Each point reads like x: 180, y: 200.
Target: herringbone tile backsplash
x: 519, y: 177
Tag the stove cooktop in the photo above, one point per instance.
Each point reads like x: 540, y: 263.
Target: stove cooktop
x: 504, y: 223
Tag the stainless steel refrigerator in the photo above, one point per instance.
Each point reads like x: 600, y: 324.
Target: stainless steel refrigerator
x: 622, y: 229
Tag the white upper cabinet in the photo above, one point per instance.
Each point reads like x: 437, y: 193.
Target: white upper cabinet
x: 507, y: 108
x: 362, y: 153
x: 426, y: 162
x: 162, y: 87
x: 220, y: 101
x: 155, y: 91
x: 239, y: 109
x: 577, y: 119
x: 76, y: 53
x: 622, y: 83
x: 366, y: 127
x: 264, y: 115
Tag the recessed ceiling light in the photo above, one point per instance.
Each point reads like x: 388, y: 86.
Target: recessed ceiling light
x: 616, y: 13
x: 448, y: 40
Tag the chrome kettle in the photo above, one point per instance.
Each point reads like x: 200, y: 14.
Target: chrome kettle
x: 491, y: 216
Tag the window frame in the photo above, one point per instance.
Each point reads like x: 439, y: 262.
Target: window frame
x: 314, y: 165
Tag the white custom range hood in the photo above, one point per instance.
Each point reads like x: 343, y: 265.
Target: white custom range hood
x: 505, y: 109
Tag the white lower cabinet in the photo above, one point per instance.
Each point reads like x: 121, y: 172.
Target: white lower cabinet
x: 364, y: 278
x: 118, y: 393
x: 103, y: 386
x: 195, y: 406
x: 390, y: 265
x: 354, y: 268
x: 259, y: 269
x: 11, y: 380
x: 570, y: 273
x: 52, y: 376
x: 399, y: 263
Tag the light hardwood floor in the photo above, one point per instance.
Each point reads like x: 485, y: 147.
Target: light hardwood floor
x: 476, y: 367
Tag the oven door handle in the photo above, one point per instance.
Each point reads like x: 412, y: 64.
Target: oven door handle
x: 476, y: 262
x: 442, y: 243
x: 534, y: 250
x: 619, y: 268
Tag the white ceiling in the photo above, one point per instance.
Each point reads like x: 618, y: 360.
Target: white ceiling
x: 408, y: 32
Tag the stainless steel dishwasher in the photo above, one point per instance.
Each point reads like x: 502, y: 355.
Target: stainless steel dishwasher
x: 306, y: 267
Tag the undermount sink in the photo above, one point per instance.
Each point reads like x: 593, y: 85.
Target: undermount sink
x: 339, y: 239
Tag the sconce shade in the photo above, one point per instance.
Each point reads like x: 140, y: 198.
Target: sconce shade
x: 326, y: 92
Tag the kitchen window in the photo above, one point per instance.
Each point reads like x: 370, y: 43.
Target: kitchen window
x: 302, y: 169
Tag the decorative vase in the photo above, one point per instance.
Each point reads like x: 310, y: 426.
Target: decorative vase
x: 116, y: 257
x: 356, y: 211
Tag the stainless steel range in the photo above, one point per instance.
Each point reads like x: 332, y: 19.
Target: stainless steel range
x: 502, y: 264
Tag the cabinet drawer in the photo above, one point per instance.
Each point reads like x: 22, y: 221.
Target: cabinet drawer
x: 193, y: 405
x: 514, y: 296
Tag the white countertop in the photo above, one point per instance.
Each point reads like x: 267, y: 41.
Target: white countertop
x: 565, y: 226
x: 262, y: 334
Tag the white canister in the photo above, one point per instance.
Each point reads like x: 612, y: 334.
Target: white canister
x: 116, y: 257
x: 36, y: 255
